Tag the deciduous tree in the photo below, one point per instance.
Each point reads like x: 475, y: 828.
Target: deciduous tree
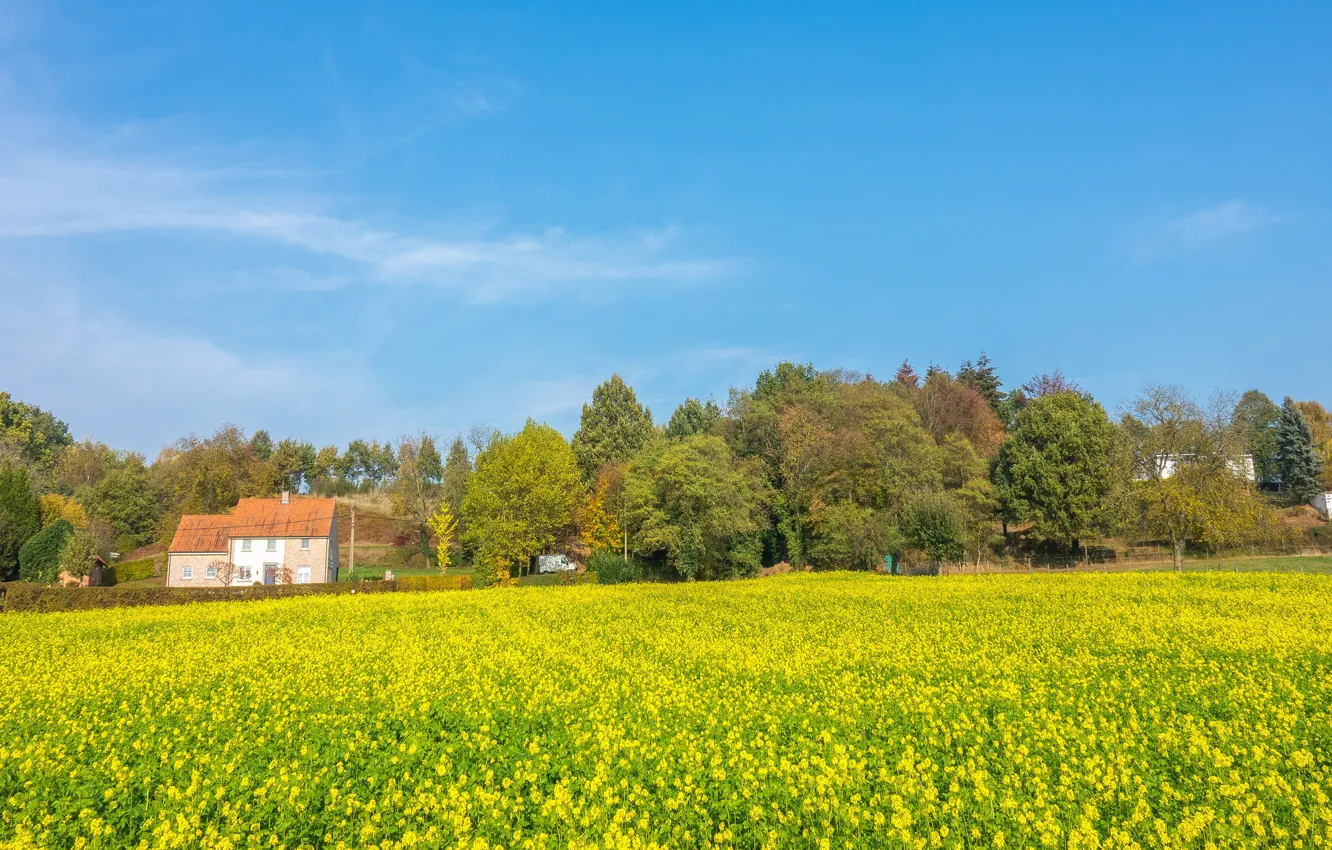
x: 699, y: 505
x: 613, y: 427
x: 522, y: 498
x: 1256, y: 416
x: 445, y: 527
x: 1055, y: 469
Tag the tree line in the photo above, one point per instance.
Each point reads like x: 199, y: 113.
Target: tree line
x: 831, y: 469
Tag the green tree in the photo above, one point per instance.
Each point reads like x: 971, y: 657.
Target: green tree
x: 261, y: 444
x: 81, y: 465
x: 693, y: 417
x: 845, y: 535
x: 37, y: 436
x: 80, y: 554
x: 308, y: 464
x: 131, y: 502
x: 522, y: 499
x: 612, y: 568
x: 934, y: 525
x: 1298, y: 463
x: 208, y: 476
x: 613, y: 427
x: 39, y: 559
x: 20, y: 517
x: 327, y: 467
x: 1256, y: 417
x: 1055, y: 469
x: 457, y: 474
x: 699, y: 505
x: 1200, y: 505
x: 415, y: 490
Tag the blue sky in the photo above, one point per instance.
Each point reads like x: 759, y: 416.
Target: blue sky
x: 339, y: 219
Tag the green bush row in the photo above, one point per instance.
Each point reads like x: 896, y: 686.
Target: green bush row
x: 38, y: 597
x: 416, y: 583
x: 129, y: 571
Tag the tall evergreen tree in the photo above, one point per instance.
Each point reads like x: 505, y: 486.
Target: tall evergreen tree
x: 20, y: 517
x: 693, y: 417
x: 613, y: 427
x: 982, y: 377
x: 906, y: 376
x: 457, y: 474
x: 1298, y: 464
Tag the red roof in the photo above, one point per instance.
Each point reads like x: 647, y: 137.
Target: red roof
x: 301, y: 517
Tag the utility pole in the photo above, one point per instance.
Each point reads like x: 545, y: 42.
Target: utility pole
x: 351, y: 569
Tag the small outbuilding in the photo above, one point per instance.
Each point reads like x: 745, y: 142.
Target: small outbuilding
x: 1323, y: 503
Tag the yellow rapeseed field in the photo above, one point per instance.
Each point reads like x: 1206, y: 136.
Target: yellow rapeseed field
x: 802, y: 711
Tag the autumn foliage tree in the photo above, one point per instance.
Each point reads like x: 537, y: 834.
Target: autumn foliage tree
x: 522, y: 499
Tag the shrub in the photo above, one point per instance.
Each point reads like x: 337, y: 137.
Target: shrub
x: 612, y: 568
x: 39, y: 559
x: 129, y: 571
x: 933, y: 525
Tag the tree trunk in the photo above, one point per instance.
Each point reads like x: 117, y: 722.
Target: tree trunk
x: 1177, y: 553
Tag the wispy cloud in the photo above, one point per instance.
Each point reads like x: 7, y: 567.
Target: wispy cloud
x: 1163, y: 237
x: 55, y: 196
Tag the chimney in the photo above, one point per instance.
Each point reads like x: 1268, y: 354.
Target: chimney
x: 286, y: 497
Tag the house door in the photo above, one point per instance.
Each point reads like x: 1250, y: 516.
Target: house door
x: 270, y: 573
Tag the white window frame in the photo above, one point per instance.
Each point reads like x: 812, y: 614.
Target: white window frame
x: 305, y: 543
x: 187, y: 573
x: 245, y: 545
x: 245, y: 574
x: 210, y: 572
x: 270, y: 545
x: 302, y: 575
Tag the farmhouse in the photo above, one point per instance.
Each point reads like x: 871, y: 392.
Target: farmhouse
x: 268, y: 541
x: 1163, y: 466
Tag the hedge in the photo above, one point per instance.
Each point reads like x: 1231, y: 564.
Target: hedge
x: 409, y: 584
x: 39, y: 597
x: 129, y: 571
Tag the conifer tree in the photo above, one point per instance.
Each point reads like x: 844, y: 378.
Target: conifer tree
x: 1298, y: 464
x: 982, y: 377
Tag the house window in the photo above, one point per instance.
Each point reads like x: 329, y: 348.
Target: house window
x: 211, y: 572
x: 302, y: 575
x: 245, y: 545
x: 272, y: 546
x: 244, y: 574
x: 305, y: 543
x: 187, y: 573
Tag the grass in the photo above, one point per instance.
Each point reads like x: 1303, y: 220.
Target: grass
x: 1274, y: 564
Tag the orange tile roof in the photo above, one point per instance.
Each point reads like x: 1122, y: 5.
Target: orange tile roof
x: 201, y: 533
x: 301, y: 517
